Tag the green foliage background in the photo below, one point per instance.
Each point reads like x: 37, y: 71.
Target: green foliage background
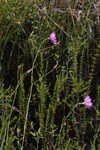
x: 41, y: 108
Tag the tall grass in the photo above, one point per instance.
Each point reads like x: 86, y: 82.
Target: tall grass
x: 43, y: 85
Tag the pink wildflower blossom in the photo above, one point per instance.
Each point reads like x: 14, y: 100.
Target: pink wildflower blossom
x: 52, y: 37
x: 88, y: 102
x: 30, y: 70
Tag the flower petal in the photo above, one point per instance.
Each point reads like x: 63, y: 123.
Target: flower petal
x: 52, y: 37
x: 88, y: 102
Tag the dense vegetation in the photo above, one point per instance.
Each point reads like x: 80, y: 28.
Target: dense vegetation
x: 49, y: 90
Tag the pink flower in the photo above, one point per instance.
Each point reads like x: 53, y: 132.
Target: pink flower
x: 88, y: 102
x: 52, y: 37
x: 30, y: 70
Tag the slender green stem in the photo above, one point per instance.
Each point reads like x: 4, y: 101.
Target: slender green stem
x: 27, y: 109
